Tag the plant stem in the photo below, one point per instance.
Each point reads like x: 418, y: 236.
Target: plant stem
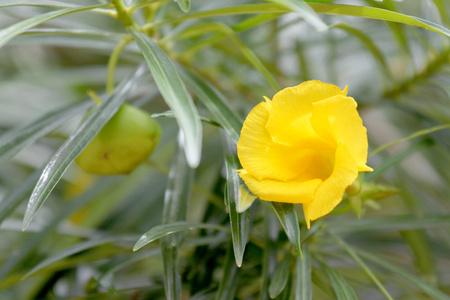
x: 112, y: 63
x: 122, y: 13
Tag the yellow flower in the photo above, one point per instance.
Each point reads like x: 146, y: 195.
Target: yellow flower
x: 305, y: 146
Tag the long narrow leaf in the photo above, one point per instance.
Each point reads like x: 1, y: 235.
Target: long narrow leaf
x: 280, y: 277
x: 76, y: 32
x: 378, y: 14
x: 322, y: 8
x: 14, y: 30
x: 303, y: 283
x: 160, y: 231
x: 242, y: 26
x: 185, y: 5
x: 239, y: 221
x: 395, y: 159
x: 431, y: 291
x: 79, y: 248
x: 174, y: 93
x: 228, y: 284
x: 14, y: 141
x: 216, y: 104
x: 392, y: 223
x: 304, y: 11
x: 423, y: 254
x: 14, y: 198
x: 341, y: 287
x: 271, y: 229
x: 359, y: 261
x: 30, y: 244
x: 175, y: 209
x: 246, y: 51
x: 371, y: 46
x: 75, y: 144
x: 285, y: 212
x: 44, y: 3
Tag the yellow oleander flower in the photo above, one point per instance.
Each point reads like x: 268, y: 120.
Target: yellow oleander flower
x: 305, y: 146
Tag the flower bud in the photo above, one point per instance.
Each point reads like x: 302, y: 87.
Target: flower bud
x: 128, y: 138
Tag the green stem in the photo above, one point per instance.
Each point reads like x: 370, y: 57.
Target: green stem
x: 409, y: 137
x: 122, y: 13
x: 94, y: 97
x: 134, y: 7
x: 112, y: 63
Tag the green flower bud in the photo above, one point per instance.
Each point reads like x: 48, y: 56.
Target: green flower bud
x: 122, y: 144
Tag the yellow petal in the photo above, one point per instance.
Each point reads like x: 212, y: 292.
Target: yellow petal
x: 330, y: 192
x: 263, y: 158
x: 337, y: 118
x: 294, y: 191
x: 289, y: 121
x: 245, y: 200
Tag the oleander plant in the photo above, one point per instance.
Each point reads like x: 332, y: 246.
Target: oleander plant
x: 239, y: 149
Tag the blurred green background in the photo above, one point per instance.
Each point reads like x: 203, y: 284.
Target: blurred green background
x: 390, y: 241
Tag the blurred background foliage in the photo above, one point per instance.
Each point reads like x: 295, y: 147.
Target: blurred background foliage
x: 388, y: 240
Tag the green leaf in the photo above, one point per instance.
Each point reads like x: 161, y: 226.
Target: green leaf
x: 322, y: 8
x: 371, y: 46
x: 160, y: 231
x: 185, y: 5
x: 175, y: 208
x: 239, y: 221
x: 77, y: 249
x: 170, y: 114
x: 242, y: 26
x: 75, y: 144
x: 230, y: 278
x: 103, y: 45
x: 378, y: 14
x: 26, y: 250
x: 423, y: 255
x: 359, y: 261
x: 434, y: 293
x: 246, y: 51
x: 341, y: 287
x: 15, y: 196
x: 280, y: 277
x: 75, y: 32
x: 44, y: 3
x: 17, y: 139
x: 304, y: 11
x: 178, y: 188
x: 131, y: 259
x: 287, y: 216
x: 271, y: 229
x: 442, y: 10
x: 395, y: 159
x: 14, y: 30
x: 216, y: 103
x: 393, y: 223
x: 303, y: 283
x: 174, y: 93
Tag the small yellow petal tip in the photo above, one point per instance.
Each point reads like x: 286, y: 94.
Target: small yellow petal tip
x: 365, y: 168
x: 245, y: 201
x: 345, y: 90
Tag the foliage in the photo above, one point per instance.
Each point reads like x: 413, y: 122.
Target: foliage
x: 199, y: 67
